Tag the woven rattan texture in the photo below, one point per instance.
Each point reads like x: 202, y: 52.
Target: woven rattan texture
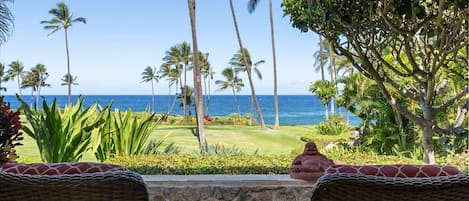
x: 100, y: 186
x: 353, y: 187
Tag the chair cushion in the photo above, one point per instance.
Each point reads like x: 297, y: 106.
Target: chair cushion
x: 405, y: 171
x: 59, y: 168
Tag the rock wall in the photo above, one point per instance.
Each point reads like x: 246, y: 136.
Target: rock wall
x: 228, y: 188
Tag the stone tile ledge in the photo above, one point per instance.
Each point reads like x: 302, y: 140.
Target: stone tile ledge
x: 277, y: 180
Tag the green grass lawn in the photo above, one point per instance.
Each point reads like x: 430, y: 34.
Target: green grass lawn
x: 247, y: 138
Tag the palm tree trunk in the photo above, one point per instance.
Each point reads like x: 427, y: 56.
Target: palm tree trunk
x: 321, y: 62
x: 197, y: 80
x: 184, y: 94
x: 248, y: 67
x: 236, y: 102
x: 169, y: 95
x: 332, y: 63
x: 274, y: 60
x: 69, y: 84
x: 152, y: 97
x: 205, y: 96
x: 19, y: 84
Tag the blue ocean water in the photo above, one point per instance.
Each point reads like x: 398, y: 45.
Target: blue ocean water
x: 293, y: 109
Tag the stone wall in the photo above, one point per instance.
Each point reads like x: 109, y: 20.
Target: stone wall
x: 227, y: 188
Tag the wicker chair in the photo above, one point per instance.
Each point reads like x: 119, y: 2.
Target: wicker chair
x: 115, y: 186
x: 356, y: 187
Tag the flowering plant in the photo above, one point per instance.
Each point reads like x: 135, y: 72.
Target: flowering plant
x: 10, y: 134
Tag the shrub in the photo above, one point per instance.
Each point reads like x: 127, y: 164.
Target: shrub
x: 334, y: 126
x: 191, y: 164
x: 220, y: 150
x: 123, y: 134
x: 62, y: 135
x: 10, y: 136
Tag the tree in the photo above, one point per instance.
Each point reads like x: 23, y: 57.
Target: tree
x: 39, y: 76
x: 172, y: 75
x: 251, y: 7
x: 179, y: 57
x: 247, y: 68
x: 16, y: 70
x: 325, y: 91
x: 207, y: 73
x: 231, y: 81
x: 63, y: 19
x: 6, y: 21
x: 150, y: 75
x: 422, y: 38
x: 69, y: 79
x: 2, y: 77
x: 199, y: 110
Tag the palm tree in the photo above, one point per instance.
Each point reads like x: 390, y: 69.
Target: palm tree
x: 39, y: 77
x: 69, y: 79
x: 16, y: 70
x: 325, y: 91
x: 238, y: 64
x: 164, y: 71
x: 248, y: 68
x: 207, y: 73
x: 63, y: 19
x: 150, y: 75
x: 197, y: 80
x: 2, y: 77
x: 251, y: 7
x: 6, y: 21
x: 234, y: 82
x: 29, y: 81
x: 179, y: 56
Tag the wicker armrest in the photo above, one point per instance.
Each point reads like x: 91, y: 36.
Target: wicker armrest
x: 356, y: 187
x: 115, y: 186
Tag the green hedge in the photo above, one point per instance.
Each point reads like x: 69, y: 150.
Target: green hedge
x: 189, y: 164
x: 251, y: 164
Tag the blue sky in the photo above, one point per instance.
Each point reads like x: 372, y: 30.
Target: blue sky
x: 121, y: 38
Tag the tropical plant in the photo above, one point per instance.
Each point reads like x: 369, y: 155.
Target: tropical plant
x: 232, y: 81
x: 199, y: 110
x: 179, y: 57
x: 207, y: 73
x: 325, y: 91
x: 220, y: 150
x: 251, y: 7
x: 238, y: 65
x: 124, y: 135
x: 186, y: 98
x: 406, y: 47
x: 69, y: 79
x: 39, y: 76
x: 6, y: 21
x: 153, y: 148
x: 149, y: 74
x: 244, y: 61
x: 172, y: 75
x: 15, y: 71
x: 63, y: 19
x: 10, y: 133
x: 2, y: 77
x: 335, y: 125
x: 62, y: 135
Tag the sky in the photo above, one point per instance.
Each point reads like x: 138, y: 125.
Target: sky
x: 121, y: 38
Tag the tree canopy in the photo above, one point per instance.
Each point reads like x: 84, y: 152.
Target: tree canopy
x: 413, y: 49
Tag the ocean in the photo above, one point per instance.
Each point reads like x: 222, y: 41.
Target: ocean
x: 293, y: 109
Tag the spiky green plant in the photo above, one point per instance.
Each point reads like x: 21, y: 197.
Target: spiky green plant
x: 124, y: 135
x: 62, y: 135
